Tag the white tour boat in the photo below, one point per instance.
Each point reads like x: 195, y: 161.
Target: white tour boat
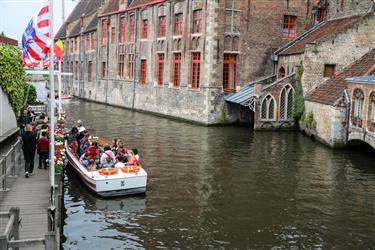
x: 109, y: 182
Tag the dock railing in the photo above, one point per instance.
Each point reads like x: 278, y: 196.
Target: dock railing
x: 10, y: 238
x: 8, y: 163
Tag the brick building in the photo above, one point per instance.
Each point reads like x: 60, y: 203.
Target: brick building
x: 178, y: 57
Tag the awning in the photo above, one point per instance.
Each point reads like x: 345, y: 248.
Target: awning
x: 242, y: 97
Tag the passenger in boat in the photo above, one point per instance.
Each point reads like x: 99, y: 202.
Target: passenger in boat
x: 85, y: 158
x: 121, y: 148
x: 135, y: 151
x: 84, y: 144
x: 132, y: 160
x: 121, y: 156
x: 92, y: 165
x: 114, y: 145
x: 93, y: 148
x: 108, y: 153
x: 108, y: 163
x: 72, y: 135
x: 80, y: 127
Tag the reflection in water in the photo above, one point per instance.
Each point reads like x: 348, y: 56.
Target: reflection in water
x: 223, y: 187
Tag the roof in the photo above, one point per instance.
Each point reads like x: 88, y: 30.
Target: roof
x: 325, y: 29
x: 84, y: 7
x: 132, y: 5
x: 76, y: 31
x: 7, y: 40
x: 62, y: 32
x: 111, y: 6
x: 331, y: 90
x: 362, y: 79
x: 241, y: 97
x: 139, y: 2
x: 92, y: 24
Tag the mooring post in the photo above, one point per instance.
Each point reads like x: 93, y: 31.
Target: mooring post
x: 50, y: 241
x: 3, y: 242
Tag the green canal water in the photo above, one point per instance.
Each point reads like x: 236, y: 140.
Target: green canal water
x: 223, y: 188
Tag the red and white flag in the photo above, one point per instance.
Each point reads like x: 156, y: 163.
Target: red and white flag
x: 36, y: 38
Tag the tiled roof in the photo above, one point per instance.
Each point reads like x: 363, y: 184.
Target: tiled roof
x: 7, y: 40
x: 92, y: 24
x: 139, y: 2
x: 76, y: 31
x: 297, y: 46
x: 331, y: 90
x: 61, y: 33
x: 111, y: 6
x: 84, y: 7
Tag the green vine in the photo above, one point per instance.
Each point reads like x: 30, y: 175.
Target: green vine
x: 32, y: 93
x: 308, y: 120
x: 12, y: 76
x: 299, y: 102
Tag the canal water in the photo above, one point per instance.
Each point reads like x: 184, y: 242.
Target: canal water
x: 223, y: 188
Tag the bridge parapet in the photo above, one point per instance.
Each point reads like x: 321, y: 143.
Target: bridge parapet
x: 362, y: 134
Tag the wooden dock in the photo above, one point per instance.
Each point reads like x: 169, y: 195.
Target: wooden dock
x: 31, y: 195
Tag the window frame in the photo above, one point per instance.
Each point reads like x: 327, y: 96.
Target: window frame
x: 178, y: 24
x: 195, y: 70
x: 290, y: 27
x: 267, y: 101
x: 197, y: 22
x: 160, y: 69
x: 122, y: 29
x: 162, y: 29
x: 177, y: 60
x: 227, y: 63
x: 131, y: 28
x: 144, y: 29
x: 130, y: 66
x: 143, y: 78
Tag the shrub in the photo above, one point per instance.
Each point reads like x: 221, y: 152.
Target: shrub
x: 299, y: 102
x: 31, y: 98
x: 12, y: 76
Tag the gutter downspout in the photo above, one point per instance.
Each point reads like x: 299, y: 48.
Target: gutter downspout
x: 135, y: 53
x: 107, y: 62
x: 347, y: 114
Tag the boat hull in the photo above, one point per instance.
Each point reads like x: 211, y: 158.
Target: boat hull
x: 121, y: 184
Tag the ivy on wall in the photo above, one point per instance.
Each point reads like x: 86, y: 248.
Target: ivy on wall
x: 299, y: 102
x: 12, y: 76
x: 31, y: 98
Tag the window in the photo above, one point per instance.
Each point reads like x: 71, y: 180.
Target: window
x: 321, y: 14
x: 176, y: 69
x: 286, y: 103
x: 268, y: 108
x: 113, y: 35
x: 76, y: 70
x: 329, y: 70
x: 88, y: 41
x: 130, y: 66
x: 162, y: 26
x: 143, y: 71
x: 230, y: 72
x: 131, y: 29
x: 104, y: 70
x: 195, y: 69
x: 372, y: 107
x: 93, y: 40
x: 122, y: 30
x: 144, y: 29
x: 160, y: 69
x: 197, y: 21
x: 178, y: 24
x: 358, y: 104
x: 281, y: 73
x: 76, y: 44
x: 89, y: 69
x: 121, y: 66
x: 290, y: 27
x: 104, y: 32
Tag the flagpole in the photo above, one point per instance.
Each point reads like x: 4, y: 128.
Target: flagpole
x: 52, y: 98
x: 59, y: 76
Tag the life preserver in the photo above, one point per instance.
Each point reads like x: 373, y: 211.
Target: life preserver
x: 108, y: 171
x: 130, y: 169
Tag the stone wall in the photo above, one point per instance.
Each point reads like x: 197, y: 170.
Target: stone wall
x: 342, y: 49
x: 347, y: 7
x: 330, y: 124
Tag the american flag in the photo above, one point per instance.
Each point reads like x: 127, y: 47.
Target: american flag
x: 36, y: 38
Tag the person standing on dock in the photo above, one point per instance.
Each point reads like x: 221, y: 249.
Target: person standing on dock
x: 43, y: 150
x: 29, y: 146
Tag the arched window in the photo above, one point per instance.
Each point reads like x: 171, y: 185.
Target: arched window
x: 372, y: 107
x: 358, y: 103
x: 281, y: 73
x: 268, y: 108
x: 286, y: 103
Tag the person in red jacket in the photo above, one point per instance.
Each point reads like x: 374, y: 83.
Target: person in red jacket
x: 43, y: 150
x: 93, y: 149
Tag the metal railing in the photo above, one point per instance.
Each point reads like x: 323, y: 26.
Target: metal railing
x: 10, y: 238
x: 8, y: 164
